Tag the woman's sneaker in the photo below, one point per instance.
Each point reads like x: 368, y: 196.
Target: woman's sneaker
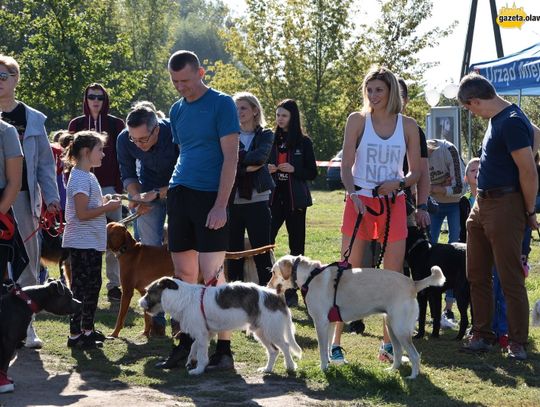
x: 6, y: 385
x: 386, y: 352
x: 336, y: 356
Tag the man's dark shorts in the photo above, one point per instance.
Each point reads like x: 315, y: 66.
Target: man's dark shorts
x: 187, y: 210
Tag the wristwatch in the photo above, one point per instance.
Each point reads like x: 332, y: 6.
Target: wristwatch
x: 423, y: 207
x: 156, y: 190
x: 402, y: 184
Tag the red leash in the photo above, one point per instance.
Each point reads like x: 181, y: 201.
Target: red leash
x: 9, y: 231
x: 47, y: 222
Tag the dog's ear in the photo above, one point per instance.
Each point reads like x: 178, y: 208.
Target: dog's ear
x: 286, y: 265
x: 167, y: 282
x: 56, y: 287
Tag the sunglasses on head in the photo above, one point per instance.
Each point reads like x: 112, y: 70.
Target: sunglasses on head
x: 95, y: 97
x: 5, y: 75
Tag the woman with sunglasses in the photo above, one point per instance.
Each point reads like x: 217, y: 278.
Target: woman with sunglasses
x: 38, y: 177
x: 96, y: 117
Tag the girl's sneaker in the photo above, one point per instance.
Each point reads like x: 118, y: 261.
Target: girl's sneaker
x: 336, y: 357
x: 386, y: 352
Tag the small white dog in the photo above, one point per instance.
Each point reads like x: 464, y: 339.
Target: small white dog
x: 226, y: 307
x: 536, y: 314
x: 361, y: 292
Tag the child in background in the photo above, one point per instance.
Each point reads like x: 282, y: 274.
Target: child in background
x: 85, y: 234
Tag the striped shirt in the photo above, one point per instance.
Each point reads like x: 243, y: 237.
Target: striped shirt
x: 84, y: 234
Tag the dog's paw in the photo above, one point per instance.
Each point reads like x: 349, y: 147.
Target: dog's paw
x: 195, y: 372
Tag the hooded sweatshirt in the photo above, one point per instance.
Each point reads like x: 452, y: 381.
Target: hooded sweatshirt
x: 108, y: 174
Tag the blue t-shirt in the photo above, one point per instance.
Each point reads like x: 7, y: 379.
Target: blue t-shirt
x: 197, y: 127
x: 508, y: 131
x: 156, y: 164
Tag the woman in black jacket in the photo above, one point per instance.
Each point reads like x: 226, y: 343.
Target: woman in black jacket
x: 253, y: 186
x: 292, y: 164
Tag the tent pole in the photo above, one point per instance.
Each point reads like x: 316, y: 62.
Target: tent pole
x: 469, y: 135
x: 519, y: 98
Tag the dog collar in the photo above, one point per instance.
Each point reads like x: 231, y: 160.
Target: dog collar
x: 294, y: 273
x: 18, y: 292
x: 415, y: 244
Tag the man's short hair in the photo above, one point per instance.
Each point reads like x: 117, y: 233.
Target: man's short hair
x: 10, y: 63
x: 142, y: 115
x: 475, y: 86
x: 403, y: 89
x: 180, y: 59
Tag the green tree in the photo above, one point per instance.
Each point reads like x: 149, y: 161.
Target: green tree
x: 289, y: 50
x: 198, y: 29
x: 66, y: 45
x: 396, y: 39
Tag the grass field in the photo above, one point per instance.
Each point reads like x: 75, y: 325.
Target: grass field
x: 447, y: 377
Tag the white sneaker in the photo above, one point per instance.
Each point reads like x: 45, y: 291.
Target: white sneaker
x: 32, y: 340
x: 447, y: 322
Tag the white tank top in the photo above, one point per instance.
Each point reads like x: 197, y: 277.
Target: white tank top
x: 377, y: 159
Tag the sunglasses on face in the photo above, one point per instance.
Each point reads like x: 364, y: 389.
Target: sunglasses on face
x: 5, y: 75
x: 95, y: 97
x: 142, y: 140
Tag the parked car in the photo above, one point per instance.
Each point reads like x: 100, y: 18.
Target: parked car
x: 333, y: 173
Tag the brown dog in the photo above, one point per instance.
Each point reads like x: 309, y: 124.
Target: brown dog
x: 140, y: 265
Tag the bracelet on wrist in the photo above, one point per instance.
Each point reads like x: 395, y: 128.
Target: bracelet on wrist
x: 422, y: 207
x: 529, y: 214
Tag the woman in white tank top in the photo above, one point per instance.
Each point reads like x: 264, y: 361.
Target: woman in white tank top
x: 376, y: 141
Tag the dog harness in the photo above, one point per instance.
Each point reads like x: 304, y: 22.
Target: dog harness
x: 19, y: 293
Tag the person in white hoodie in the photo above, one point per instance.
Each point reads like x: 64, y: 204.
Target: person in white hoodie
x: 39, y: 175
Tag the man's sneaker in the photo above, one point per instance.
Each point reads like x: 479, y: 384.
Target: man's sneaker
x: 447, y: 322
x: 503, y: 341
x: 516, y: 351
x: 476, y: 344
x: 97, y: 336
x: 336, y: 357
x: 220, y: 361
x: 74, y: 342
x: 6, y: 385
x: 114, y: 294
x: 177, y: 357
x: 32, y: 341
x: 386, y: 352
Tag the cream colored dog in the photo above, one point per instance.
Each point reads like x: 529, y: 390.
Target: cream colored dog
x: 361, y: 292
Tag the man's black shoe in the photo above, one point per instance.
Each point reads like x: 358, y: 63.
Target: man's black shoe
x: 220, y: 361
x: 177, y: 358
x: 357, y: 327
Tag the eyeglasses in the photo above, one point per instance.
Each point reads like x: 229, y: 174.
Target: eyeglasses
x: 95, y: 97
x: 5, y: 75
x: 142, y: 140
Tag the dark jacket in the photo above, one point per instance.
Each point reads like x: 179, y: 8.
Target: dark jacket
x: 257, y: 154
x: 108, y: 174
x: 302, y: 158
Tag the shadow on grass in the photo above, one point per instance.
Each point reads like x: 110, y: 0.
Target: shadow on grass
x: 493, y: 366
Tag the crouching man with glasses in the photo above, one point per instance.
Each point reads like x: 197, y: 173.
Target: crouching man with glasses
x: 147, y: 155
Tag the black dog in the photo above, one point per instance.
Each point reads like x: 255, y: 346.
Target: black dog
x: 421, y: 256
x: 16, y: 308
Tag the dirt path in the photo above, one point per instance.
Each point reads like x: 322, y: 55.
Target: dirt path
x: 38, y: 386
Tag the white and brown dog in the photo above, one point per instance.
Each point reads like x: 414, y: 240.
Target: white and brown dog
x: 203, y: 311
x: 361, y: 292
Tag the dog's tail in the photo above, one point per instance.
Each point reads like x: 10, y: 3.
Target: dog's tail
x: 536, y: 314
x: 436, y: 278
x: 294, y: 347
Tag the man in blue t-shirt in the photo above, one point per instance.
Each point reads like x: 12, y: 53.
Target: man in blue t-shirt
x: 505, y: 204
x: 204, y: 123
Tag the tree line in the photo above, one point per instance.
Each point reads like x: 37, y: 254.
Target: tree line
x: 315, y: 51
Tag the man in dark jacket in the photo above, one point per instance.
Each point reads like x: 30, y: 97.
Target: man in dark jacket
x: 96, y: 117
